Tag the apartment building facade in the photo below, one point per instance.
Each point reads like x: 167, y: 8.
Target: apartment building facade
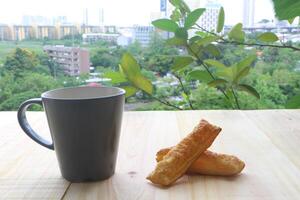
x: 74, y: 60
x: 142, y: 34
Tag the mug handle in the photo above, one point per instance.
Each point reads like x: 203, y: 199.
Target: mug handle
x: 27, y: 128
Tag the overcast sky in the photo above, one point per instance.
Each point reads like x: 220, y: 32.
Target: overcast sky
x: 116, y: 12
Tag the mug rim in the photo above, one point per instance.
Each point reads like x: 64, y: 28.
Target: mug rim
x: 119, y: 92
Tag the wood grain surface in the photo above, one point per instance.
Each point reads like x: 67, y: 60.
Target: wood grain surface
x: 268, y: 141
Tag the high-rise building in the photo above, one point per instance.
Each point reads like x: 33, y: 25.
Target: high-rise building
x: 46, y: 32
x: 28, y: 20
x: 5, y: 32
x: 22, y: 32
x: 248, y: 13
x: 209, y: 18
x: 142, y: 34
x: 60, y: 20
x: 73, y: 60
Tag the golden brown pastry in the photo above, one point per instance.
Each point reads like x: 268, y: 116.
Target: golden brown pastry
x: 210, y: 163
x: 175, y: 163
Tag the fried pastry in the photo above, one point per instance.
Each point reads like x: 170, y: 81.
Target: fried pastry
x: 210, y: 163
x: 175, y: 163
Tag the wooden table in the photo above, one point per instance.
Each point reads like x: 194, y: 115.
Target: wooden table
x: 268, y: 142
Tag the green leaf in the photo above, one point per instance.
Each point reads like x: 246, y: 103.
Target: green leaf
x: 202, y: 34
x: 143, y: 83
x: 185, y: 97
x: 116, y: 77
x: 193, y: 17
x: 181, y: 33
x: 249, y: 89
x: 244, y: 72
x: 246, y: 62
x: 213, y: 50
x: 175, y: 3
x: 176, y: 41
x: 294, y: 102
x: 195, y: 50
x: 165, y: 24
x: 200, y: 75
x: 215, y: 63
x: 286, y: 9
x: 175, y: 16
x: 217, y: 82
x: 226, y: 73
x: 221, y: 19
x: 130, y: 90
x: 237, y: 33
x: 268, y: 37
x: 291, y: 20
x: 194, y: 39
x: 131, y: 69
x: 130, y: 66
x: 207, y: 40
x: 181, y: 62
x: 230, y: 96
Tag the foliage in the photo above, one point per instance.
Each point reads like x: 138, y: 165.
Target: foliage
x: 287, y: 9
x: 227, y: 79
x: 23, y: 77
x: 107, y: 57
x: 20, y: 61
x: 158, y: 57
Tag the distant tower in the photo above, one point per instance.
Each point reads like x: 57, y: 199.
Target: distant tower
x: 86, y: 17
x: 101, y: 16
x: 248, y: 13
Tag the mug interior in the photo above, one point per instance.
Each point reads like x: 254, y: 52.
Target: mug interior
x: 83, y: 93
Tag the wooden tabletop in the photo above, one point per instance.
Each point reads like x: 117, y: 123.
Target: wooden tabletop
x: 268, y: 142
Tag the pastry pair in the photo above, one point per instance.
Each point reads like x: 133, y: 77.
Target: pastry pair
x: 190, y: 155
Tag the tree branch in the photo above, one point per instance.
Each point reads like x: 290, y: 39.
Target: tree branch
x: 199, y: 61
x: 184, y: 91
x: 260, y: 45
x: 167, y: 103
x: 235, y: 98
x: 224, y: 41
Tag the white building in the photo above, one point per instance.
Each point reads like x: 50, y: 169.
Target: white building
x: 123, y: 40
x: 93, y: 37
x: 248, y: 13
x: 209, y: 19
x: 142, y: 34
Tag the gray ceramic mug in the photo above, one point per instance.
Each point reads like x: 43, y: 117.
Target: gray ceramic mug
x: 85, y: 125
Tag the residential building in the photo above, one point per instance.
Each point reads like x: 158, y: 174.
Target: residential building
x: 90, y: 29
x: 209, y: 18
x: 61, y: 20
x: 65, y: 30
x: 20, y: 32
x: 97, y: 29
x: 248, y: 13
x: 73, y: 60
x: 142, y: 34
x: 93, y: 37
x: 46, y: 32
x: 5, y: 32
x: 29, y: 20
x: 123, y: 40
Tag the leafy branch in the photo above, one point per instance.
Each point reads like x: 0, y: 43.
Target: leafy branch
x: 222, y: 40
x: 202, y: 45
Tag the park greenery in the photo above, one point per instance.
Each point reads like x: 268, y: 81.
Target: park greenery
x: 194, y: 69
x: 201, y: 58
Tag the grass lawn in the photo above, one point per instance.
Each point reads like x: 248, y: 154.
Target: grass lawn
x: 8, y: 46
x: 37, y: 46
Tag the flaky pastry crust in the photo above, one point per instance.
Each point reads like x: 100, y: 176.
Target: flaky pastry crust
x: 210, y: 163
x: 175, y: 163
